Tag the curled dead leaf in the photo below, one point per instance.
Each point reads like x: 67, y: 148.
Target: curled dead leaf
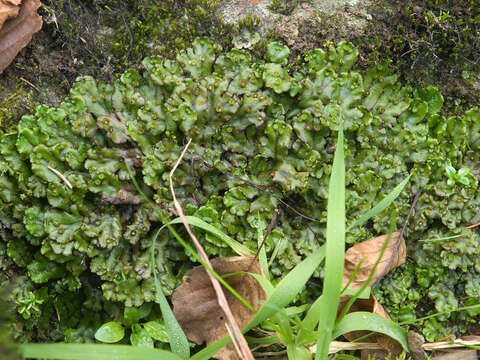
x: 196, y: 307
x: 17, y: 30
x: 463, y: 354
x: 415, y: 344
x: 395, y: 255
x: 8, y: 9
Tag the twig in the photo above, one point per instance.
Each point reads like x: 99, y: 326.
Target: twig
x: 398, y: 239
x: 271, y: 225
x: 474, y: 341
x: 29, y: 83
x: 235, y: 345
x: 61, y: 176
x: 473, y: 226
x: 417, y: 196
x: 222, y: 300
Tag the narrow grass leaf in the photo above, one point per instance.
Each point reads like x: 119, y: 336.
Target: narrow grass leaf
x: 235, y: 245
x: 276, y: 250
x: 264, y: 283
x: 177, y: 338
x: 464, y: 308
x: 335, y: 251
x: 362, y: 320
x: 266, y: 340
x: 262, y: 255
x: 351, y: 301
x: 62, y: 351
x: 283, y: 294
x: 310, y: 321
x: 382, y: 205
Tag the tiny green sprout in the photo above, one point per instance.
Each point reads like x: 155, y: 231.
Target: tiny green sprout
x: 29, y: 305
x: 462, y: 176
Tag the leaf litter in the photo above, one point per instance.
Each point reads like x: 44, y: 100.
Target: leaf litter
x: 18, y: 22
x: 196, y: 307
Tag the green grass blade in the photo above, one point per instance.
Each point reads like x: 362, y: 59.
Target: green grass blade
x: 266, y: 340
x: 310, y: 321
x: 262, y: 255
x: 177, y: 338
x: 276, y: 251
x: 264, y: 283
x: 362, y: 320
x: 235, y: 245
x: 382, y: 205
x: 351, y: 301
x: 335, y: 251
x: 283, y: 294
x: 62, y: 351
x: 464, y: 308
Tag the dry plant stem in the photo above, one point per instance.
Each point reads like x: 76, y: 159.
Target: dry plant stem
x: 61, y: 176
x: 471, y: 341
x: 233, y: 337
x: 29, y: 83
x: 473, y: 226
x: 271, y: 225
x: 245, y: 352
x: 337, y: 346
x: 400, y: 236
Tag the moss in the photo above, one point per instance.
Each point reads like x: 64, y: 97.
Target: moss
x: 102, y: 38
x: 110, y: 36
x: 427, y: 42
x: 14, y: 104
x: 286, y: 7
x: 432, y: 42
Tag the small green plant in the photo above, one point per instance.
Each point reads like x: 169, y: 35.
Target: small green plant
x: 463, y: 176
x: 141, y: 333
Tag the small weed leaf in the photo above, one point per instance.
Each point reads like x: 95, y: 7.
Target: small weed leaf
x: 110, y: 332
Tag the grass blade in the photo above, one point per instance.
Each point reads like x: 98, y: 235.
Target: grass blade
x: 177, y: 338
x: 382, y: 205
x: 362, y: 320
x: 93, y: 351
x: 346, y: 308
x: 262, y: 255
x: 335, y: 251
x: 235, y: 245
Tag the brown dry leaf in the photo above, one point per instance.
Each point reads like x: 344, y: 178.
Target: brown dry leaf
x: 16, y: 33
x: 8, y: 9
x: 196, y: 307
x: 415, y: 344
x: 386, y: 342
x: 458, y: 355
x: 395, y: 255
x: 473, y: 340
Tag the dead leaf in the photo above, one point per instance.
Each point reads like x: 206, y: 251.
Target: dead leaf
x: 415, y: 344
x: 457, y: 355
x: 473, y: 340
x: 17, y: 32
x: 8, y: 9
x: 387, y: 343
x: 395, y: 255
x: 196, y: 307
